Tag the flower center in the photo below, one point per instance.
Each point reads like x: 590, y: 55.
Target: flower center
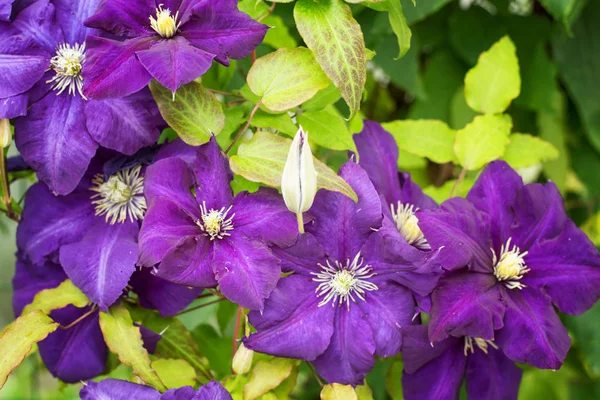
x: 511, y: 266
x: 341, y: 283
x: 165, y: 24
x: 407, y: 224
x: 121, y: 196
x: 67, y: 64
x: 215, y: 223
x: 481, y: 343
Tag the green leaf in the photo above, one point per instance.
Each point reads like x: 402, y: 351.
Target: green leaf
x: 422, y: 9
x: 215, y: 347
x: 552, y: 128
x: 337, y: 391
x: 327, y: 129
x: 286, y: 78
x: 325, y: 97
x: 397, y: 21
x: 174, y: 373
x: 363, y: 392
x: 266, y: 375
x: 526, y: 150
x: 460, y: 112
x: 539, y: 81
x: 262, y: 159
x: 393, y: 380
x: 281, y: 122
x: 124, y: 339
x: 425, y: 138
x: 19, y: 337
x: 564, y: 11
x: 444, y: 192
x: 586, y: 332
x: 195, y: 114
x: 61, y: 296
x: 279, y: 35
x: 494, y: 82
x: 482, y: 141
x: 337, y: 41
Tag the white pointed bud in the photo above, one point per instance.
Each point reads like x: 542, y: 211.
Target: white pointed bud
x: 242, y: 360
x: 5, y: 133
x: 299, y: 179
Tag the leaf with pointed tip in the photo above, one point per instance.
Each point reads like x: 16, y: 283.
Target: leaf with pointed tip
x: 266, y: 375
x: 483, y: 140
x: 61, y: 296
x: 327, y: 129
x: 174, y: 373
x: 426, y: 138
x: 526, y: 150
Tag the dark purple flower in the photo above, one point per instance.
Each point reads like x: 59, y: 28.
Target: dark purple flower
x: 438, y: 371
x: 401, y: 198
x: 172, y: 41
x: 512, y: 253
x: 58, y: 131
x: 351, y: 287
x: 202, y: 236
x: 115, y: 389
x: 5, y: 9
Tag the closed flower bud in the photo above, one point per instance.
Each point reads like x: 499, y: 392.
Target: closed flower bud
x: 242, y: 360
x: 5, y: 133
x: 299, y: 180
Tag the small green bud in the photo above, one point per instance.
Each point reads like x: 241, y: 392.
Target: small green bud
x: 242, y: 360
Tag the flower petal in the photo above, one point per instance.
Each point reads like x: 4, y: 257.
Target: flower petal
x: 492, y: 375
x: 15, y: 106
x: 466, y: 304
x: 126, y: 124
x: 175, y: 62
x: 37, y: 22
x: 5, y: 9
x: 53, y: 139
x: 246, y: 270
x: 303, y: 257
x: 418, y: 351
x: 213, y: 390
x: 70, y: 16
x: 124, y: 17
x: 461, y: 233
x: 112, y: 69
x: 20, y: 70
x: 213, y: 176
x: 116, y: 389
x: 292, y: 324
x: 533, y: 333
x: 190, y: 263
x: 103, y: 261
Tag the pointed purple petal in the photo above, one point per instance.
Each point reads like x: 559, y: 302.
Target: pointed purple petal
x: 38, y: 23
x: 150, y: 339
x: 15, y: 106
x: 177, y: 148
x: 533, y: 334
x: 466, y: 304
x: 53, y: 139
x: 21, y: 70
x: 112, y: 69
x: 171, y: 178
x: 417, y: 350
x: 124, y: 17
x: 70, y: 16
x: 213, y: 176
x: 5, y: 9
x: 213, y: 390
x: 292, y: 324
x: 492, y: 375
x: 303, y: 257
x: 190, y: 263
x: 103, y: 261
x: 116, y: 389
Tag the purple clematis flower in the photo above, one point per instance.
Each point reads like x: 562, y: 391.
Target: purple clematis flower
x: 401, y: 198
x: 351, y: 287
x: 202, y: 236
x: 58, y: 130
x: 437, y: 372
x: 172, y: 41
x: 512, y: 253
x: 115, y: 389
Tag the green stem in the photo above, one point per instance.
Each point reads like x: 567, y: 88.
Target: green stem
x: 240, y: 133
x: 300, y: 222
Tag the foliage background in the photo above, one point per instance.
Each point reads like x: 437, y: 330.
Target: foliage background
x: 558, y: 46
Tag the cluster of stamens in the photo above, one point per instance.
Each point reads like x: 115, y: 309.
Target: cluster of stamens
x: 481, y: 343
x: 121, y: 196
x: 165, y: 24
x: 215, y: 223
x: 407, y: 224
x: 67, y: 64
x: 340, y: 283
x: 510, y: 267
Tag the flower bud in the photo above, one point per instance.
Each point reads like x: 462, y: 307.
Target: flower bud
x: 299, y: 179
x: 242, y: 360
x: 5, y: 133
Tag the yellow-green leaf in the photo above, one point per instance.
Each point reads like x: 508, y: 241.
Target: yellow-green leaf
x: 397, y: 21
x: 425, y: 138
x: 327, y: 129
x: 61, y: 296
x: 174, y: 373
x: 19, y: 337
x: 281, y: 122
x: 125, y: 340
x: 449, y: 189
x: 266, y: 376
x: 482, y: 141
x: 286, y: 78
x: 495, y: 81
x: 195, y: 114
x: 336, y: 39
x: 338, y: 392
x: 262, y: 159
x: 526, y: 150
x: 364, y: 392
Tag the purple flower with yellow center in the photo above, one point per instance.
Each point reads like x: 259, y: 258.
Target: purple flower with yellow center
x: 43, y: 68
x: 512, y: 254
x: 438, y: 371
x: 115, y: 389
x: 196, y: 233
x: 172, y: 41
x: 351, y: 288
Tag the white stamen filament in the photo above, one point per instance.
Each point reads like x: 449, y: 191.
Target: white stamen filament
x: 165, y: 24
x: 121, y: 196
x: 481, y: 343
x: 510, y: 267
x: 215, y: 223
x: 340, y: 283
x: 407, y: 224
x: 68, y: 63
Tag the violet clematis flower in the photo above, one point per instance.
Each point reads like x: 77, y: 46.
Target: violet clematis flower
x: 58, y: 130
x: 202, y: 236
x: 401, y: 198
x: 172, y: 41
x: 351, y: 287
x: 512, y: 253
x: 115, y: 389
x: 438, y: 371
